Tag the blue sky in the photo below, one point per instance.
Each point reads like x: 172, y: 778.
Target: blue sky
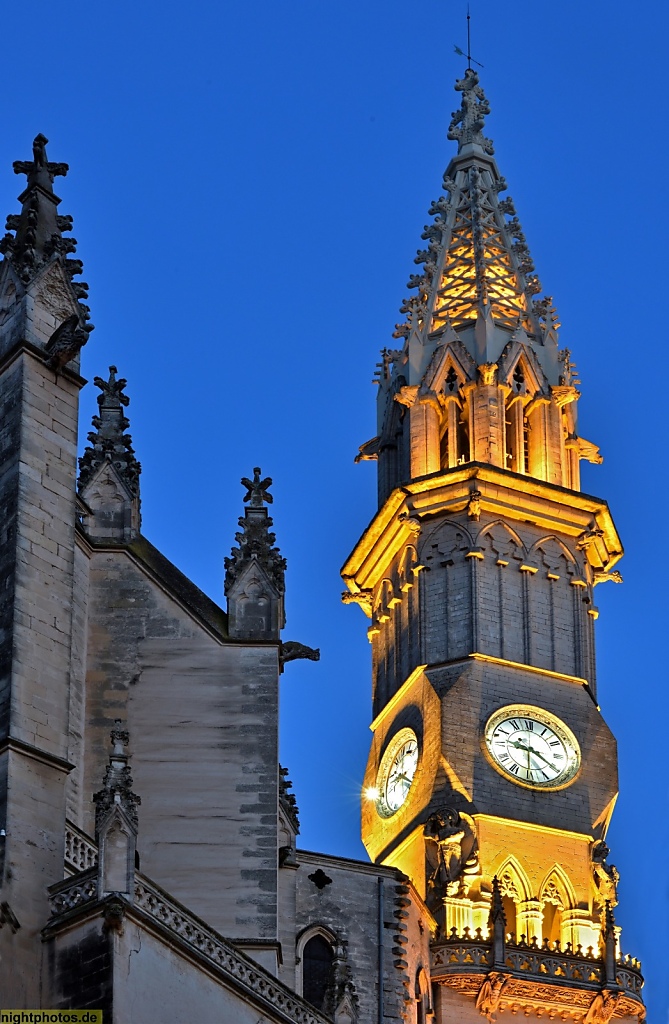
x: 249, y: 183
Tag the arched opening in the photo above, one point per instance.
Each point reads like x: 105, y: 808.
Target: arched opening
x: 517, y: 436
x: 509, y: 905
x: 551, y: 922
x: 316, y: 967
x: 422, y: 994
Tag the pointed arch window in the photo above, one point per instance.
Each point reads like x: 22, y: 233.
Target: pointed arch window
x: 554, y: 900
x: 513, y: 891
x: 517, y: 436
x: 317, y: 957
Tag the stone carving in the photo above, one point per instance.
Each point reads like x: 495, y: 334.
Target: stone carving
x: 407, y: 395
x: 66, y: 896
x: 117, y: 784
x: 487, y: 373
x: 602, y: 1007
x: 508, y: 887
x: 291, y: 650
x: 65, y: 342
x: 474, y: 505
x: 568, y: 375
x: 564, y: 394
x: 363, y: 598
x: 586, y: 449
x: 601, y: 576
x: 412, y: 522
x: 552, y: 894
x: 588, y: 538
x: 287, y: 799
x: 109, y: 442
x: 446, y: 831
x: 256, y: 541
x: 257, y: 490
x: 340, y: 1001
x: 467, y: 123
x: 605, y: 876
x: 490, y: 993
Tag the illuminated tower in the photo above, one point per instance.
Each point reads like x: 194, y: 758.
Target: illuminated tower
x: 492, y: 774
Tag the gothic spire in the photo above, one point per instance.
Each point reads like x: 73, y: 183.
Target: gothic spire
x: 38, y: 228
x: 109, y: 441
x: 476, y: 264
x: 254, y: 572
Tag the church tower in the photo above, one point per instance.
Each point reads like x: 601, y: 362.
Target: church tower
x: 492, y: 774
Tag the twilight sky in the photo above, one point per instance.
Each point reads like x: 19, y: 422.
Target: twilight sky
x: 249, y: 183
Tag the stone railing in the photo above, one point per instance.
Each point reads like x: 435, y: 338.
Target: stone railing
x: 81, y: 852
x: 73, y: 892
x: 82, y: 889
x: 474, y: 954
x: 158, y: 905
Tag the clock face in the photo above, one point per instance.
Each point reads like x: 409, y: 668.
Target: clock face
x: 396, y: 771
x: 532, y: 747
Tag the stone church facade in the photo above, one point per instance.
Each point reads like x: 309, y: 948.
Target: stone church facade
x: 176, y: 890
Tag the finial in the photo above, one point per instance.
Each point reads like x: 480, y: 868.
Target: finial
x: 471, y: 115
x: 257, y: 490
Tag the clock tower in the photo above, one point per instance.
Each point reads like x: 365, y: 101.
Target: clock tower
x: 492, y: 774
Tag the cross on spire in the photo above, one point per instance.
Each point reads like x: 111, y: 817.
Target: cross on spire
x: 257, y: 490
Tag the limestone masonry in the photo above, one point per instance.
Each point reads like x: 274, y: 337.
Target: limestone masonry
x: 148, y: 835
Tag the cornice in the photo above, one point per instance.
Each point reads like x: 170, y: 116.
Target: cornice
x: 502, y: 493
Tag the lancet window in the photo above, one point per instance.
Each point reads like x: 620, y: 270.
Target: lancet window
x: 317, y: 957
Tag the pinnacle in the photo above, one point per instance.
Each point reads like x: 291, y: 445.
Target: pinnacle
x: 38, y: 229
x: 117, y: 783
x: 109, y: 441
x: 256, y: 542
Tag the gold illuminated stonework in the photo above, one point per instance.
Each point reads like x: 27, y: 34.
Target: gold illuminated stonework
x: 477, y: 576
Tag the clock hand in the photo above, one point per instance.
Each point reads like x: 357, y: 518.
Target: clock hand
x: 530, y: 750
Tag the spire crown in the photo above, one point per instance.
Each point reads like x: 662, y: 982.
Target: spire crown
x: 467, y: 123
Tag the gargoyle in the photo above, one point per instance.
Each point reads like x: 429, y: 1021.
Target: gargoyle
x: 65, y: 342
x: 291, y: 650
